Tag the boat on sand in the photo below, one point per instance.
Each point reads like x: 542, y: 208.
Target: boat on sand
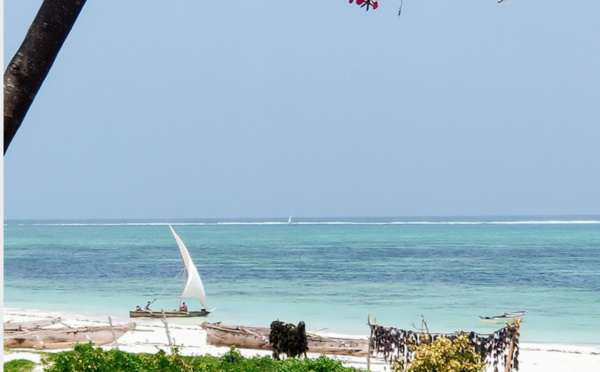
x: 218, y: 334
x: 51, y: 334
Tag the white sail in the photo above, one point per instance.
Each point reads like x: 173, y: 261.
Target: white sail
x: 290, y: 220
x: 193, y: 287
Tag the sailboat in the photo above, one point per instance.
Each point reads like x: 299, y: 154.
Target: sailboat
x: 193, y: 288
x: 290, y: 221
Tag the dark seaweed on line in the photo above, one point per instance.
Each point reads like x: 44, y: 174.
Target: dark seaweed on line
x: 288, y: 339
x: 401, y: 345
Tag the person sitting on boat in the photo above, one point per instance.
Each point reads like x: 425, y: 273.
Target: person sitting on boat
x: 183, y: 307
x: 148, y: 306
x: 138, y: 308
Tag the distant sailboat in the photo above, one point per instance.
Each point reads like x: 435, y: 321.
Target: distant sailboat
x: 290, y: 220
x: 193, y: 288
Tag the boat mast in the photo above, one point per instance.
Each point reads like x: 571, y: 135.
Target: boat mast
x: 184, y: 276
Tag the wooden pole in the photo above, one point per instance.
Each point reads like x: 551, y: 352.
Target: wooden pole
x: 369, y: 352
x: 113, y: 333
x: 511, y: 350
x: 40, y: 341
x: 371, y: 327
x: 164, y: 320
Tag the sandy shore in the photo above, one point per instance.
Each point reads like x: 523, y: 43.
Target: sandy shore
x: 150, y: 335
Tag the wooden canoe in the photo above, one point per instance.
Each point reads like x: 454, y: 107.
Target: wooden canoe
x: 168, y: 314
x: 62, y: 338
x: 258, y: 338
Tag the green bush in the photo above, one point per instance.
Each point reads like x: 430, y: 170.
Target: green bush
x: 443, y: 355
x: 321, y: 364
x: 86, y: 358
x: 19, y: 365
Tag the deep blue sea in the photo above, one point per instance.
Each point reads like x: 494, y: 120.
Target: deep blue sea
x: 329, y: 272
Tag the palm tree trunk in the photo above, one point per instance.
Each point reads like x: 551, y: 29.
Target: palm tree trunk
x: 32, y: 62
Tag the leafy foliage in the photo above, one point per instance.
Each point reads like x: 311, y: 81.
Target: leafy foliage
x: 443, y: 355
x: 86, y: 358
x: 321, y: 364
x: 19, y: 365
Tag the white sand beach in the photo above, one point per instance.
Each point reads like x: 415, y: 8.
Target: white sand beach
x: 150, y: 335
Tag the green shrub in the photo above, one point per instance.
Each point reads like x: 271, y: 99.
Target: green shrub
x: 19, y: 365
x: 86, y: 358
x: 443, y: 355
x: 321, y: 364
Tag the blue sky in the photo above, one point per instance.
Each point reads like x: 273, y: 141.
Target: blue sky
x: 224, y: 109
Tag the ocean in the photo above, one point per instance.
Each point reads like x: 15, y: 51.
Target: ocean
x: 331, y: 273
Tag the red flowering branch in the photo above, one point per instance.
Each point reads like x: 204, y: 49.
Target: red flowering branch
x: 375, y: 4
x: 366, y: 3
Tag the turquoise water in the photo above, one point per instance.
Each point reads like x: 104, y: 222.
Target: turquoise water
x: 330, y: 273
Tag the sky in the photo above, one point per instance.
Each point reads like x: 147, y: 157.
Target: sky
x: 311, y: 108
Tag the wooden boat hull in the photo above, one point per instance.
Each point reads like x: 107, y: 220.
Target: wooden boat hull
x: 504, y: 317
x: 168, y: 314
x: 35, y: 336
x: 258, y: 338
